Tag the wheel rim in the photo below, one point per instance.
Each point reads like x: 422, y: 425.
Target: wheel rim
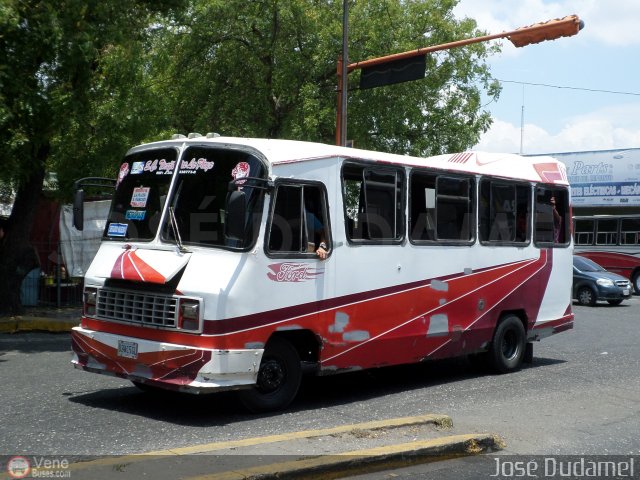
x: 272, y: 376
x: 510, y: 345
x: 585, y: 296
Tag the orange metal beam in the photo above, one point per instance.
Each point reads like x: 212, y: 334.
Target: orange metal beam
x: 536, y: 33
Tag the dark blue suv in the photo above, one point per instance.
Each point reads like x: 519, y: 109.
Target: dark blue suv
x: 591, y: 283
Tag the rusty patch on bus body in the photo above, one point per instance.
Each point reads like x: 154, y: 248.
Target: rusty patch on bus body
x: 439, y: 285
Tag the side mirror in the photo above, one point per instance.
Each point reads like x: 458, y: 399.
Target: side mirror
x: 236, y: 214
x: 78, y: 210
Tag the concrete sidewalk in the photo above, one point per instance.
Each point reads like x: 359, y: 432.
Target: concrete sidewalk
x: 42, y: 319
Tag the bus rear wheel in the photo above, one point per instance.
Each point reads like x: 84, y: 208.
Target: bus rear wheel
x: 508, y: 346
x: 278, y: 379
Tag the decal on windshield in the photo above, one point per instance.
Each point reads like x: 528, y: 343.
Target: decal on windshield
x: 193, y: 165
x: 140, y: 197
x: 135, y: 214
x: 124, y: 171
x: 117, y: 230
x: 241, y: 170
x: 160, y: 167
x: 137, y: 168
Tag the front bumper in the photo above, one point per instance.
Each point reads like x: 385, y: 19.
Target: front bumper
x: 165, y: 365
x: 614, y: 293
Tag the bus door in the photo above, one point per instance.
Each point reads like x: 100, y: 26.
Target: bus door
x: 298, y: 245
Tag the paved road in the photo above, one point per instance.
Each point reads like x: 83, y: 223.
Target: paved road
x: 581, y: 396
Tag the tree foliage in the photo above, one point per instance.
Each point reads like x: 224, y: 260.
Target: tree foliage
x: 267, y: 68
x: 83, y: 80
x: 50, y: 53
x: 439, y: 114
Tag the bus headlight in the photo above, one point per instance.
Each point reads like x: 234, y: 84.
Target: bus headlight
x: 189, y: 318
x: 90, y: 299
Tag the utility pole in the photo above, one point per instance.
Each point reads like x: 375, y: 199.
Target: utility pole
x: 522, y: 123
x: 341, y: 126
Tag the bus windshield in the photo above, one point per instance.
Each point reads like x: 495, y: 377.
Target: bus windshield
x: 198, y: 202
x: 141, y: 190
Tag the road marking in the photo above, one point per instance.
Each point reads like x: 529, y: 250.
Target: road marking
x: 31, y: 324
x: 443, y: 421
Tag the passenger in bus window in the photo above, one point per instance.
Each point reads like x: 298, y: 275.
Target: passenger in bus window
x: 557, y: 220
x: 316, y: 236
x: 316, y: 231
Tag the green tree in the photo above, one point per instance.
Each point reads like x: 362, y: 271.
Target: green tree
x: 440, y: 114
x: 50, y: 57
x: 268, y: 68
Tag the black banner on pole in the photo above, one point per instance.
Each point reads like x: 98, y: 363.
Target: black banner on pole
x: 396, y: 71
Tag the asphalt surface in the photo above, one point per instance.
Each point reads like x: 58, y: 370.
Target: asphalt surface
x: 581, y: 396
x: 355, y: 448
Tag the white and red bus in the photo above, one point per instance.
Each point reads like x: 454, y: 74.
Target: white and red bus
x: 612, y: 241
x: 234, y: 263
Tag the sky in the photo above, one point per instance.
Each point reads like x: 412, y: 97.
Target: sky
x: 578, y: 109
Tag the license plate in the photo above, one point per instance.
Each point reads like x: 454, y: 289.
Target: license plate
x: 127, y: 349
x: 625, y: 291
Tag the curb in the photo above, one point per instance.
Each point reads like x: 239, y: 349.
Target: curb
x: 439, y: 421
x: 369, y: 460
x: 220, y: 460
x: 36, y: 324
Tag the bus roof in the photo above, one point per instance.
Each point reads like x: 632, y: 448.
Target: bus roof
x: 279, y: 152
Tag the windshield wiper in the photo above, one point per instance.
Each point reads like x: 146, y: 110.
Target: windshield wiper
x: 176, y: 231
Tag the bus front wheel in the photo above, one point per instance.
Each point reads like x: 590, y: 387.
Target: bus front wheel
x: 278, y: 379
x: 508, y: 346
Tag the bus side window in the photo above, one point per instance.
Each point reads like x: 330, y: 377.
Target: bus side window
x: 441, y: 208
x: 584, y: 232
x: 299, y: 220
x: 630, y: 231
x: 422, y: 210
x: 523, y: 213
x: 607, y: 232
x: 504, y: 212
x: 454, y: 209
x: 552, y: 216
x: 373, y: 203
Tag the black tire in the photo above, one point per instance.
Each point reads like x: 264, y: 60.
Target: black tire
x: 615, y: 302
x: 586, y: 297
x: 278, y: 380
x: 636, y: 283
x: 508, y: 346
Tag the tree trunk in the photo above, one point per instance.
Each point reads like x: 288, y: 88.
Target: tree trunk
x: 17, y: 254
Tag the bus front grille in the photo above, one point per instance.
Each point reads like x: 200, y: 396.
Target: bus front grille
x: 137, y: 307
